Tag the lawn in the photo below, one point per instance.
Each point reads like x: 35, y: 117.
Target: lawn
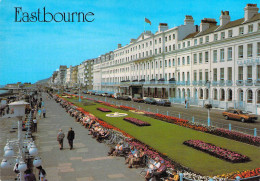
x: 168, y: 139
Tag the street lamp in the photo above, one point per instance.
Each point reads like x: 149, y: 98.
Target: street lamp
x: 208, y: 106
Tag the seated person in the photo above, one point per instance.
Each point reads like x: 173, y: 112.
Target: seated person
x: 153, y: 166
x: 160, y: 172
x: 103, y: 136
x: 132, y: 154
x: 174, y: 176
x: 140, y: 158
x: 117, y: 150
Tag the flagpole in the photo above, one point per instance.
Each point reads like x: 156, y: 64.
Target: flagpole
x: 144, y: 24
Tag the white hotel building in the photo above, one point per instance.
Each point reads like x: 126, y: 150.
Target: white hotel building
x: 212, y: 63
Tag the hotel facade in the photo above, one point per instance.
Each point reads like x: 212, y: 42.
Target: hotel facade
x: 210, y: 63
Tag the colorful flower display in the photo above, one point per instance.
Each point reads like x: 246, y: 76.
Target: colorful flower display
x: 126, y: 108
x: 136, y: 121
x: 236, y: 136
x: 217, y: 151
x: 103, y: 109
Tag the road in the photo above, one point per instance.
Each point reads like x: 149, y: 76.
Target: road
x: 200, y: 114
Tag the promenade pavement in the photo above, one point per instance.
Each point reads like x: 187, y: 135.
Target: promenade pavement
x: 88, y: 161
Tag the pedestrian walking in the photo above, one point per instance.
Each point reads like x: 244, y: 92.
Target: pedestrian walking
x: 29, y: 176
x: 43, y: 112
x: 42, y: 174
x: 40, y: 113
x: 35, y: 125
x: 60, y: 138
x: 70, y: 137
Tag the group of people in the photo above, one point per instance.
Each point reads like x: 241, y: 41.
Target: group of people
x: 133, y: 157
x: 30, y: 176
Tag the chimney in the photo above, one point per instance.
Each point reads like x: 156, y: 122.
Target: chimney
x: 188, y: 20
x: 119, y: 45
x: 207, y: 23
x: 163, y: 27
x: 250, y: 11
x: 224, y: 18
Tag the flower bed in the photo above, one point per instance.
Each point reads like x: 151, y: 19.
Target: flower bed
x: 217, y: 151
x: 126, y: 108
x: 236, y: 136
x: 103, y: 109
x: 243, y: 174
x: 136, y: 121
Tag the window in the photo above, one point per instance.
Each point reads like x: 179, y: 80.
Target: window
x: 250, y: 28
x: 195, y: 75
x: 207, y: 39
x: 206, y: 75
x: 151, y: 52
x: 169, y: 62
x: 222, y: 35
x: 215, y: 56
x: 230, y: 33
x: 230, y: 53
x: 215, y: 94
x: 195, y: 42
x: 188, y: 60
x: 179, y: 46
x: 179, y: 61
x: 258, y: 48
x: 249, y: 50
x: 160, y: 64
x: 240, y: 51
x: 195, y: 58
x: 156, y: 65
x: 215, y: 74
x: 249, y: 96
x: 148, y: 65
x: 165, y: 63
x: 241, y: 30
x: 188, y: 43
x: 240, y: 73
x: 173, y: 36
x: 165, y: 76
x: 201, y: 40
x: 155, y: 42
x: 160, y: 40
x: 215, y: 37
x: 150, y: 43
x: 183, y: 44
x: 183, y: 60
x: 222, y: 55
x: 160, y: 50
x: 222, y: 74
x: 258, y: 72
x: 229, y: 73
x: 206, y: 57
x: 165, y: 49
x: 200, y: 57
x: 170, y: 48
x: 170, y: 37
x: 249, y: 72
x: 155, y: 51
x: 173, y: 62
x: 200, y: 75
x: 152, y: 65
x: 166, y: 39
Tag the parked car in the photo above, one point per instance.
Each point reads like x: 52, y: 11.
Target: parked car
x: 104, y: 94
x: 84, y: 92
x: 149, y: 100
x: 163, y: 102
x: 125, y: 97
x: 237, y: 114
x: 75, y: 92
x: 138, y: 99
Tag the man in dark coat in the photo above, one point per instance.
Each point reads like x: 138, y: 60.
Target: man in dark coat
x: 70, y: 137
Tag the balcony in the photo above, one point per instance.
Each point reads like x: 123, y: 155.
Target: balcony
x: 194, y: 82
x: 180, y: 82
x: 222, y: 83
x: 229, y: 82
x: 249, y: 82
x: 257, y: 82
x: 240, y: 82
x: 188, y: 82
x: 215, y: 83
x: 201, y: 83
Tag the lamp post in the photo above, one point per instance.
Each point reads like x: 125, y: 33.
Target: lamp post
x: 208, y: 106
x: 19, y: 112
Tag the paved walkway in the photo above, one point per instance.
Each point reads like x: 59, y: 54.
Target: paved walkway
x: 87, y: 162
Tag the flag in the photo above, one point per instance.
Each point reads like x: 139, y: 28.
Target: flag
x: 147, y: 21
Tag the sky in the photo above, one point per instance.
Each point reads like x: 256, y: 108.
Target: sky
x: 32, y: 51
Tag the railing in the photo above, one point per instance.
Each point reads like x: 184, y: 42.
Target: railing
x: 215, y: 83
x: 257, y: 82
x: 229, y: 82
x: 249, y: 82
x: 222, y: 83
x: 201, y: 83
x: 240, y: 82
x: 194, y: 82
